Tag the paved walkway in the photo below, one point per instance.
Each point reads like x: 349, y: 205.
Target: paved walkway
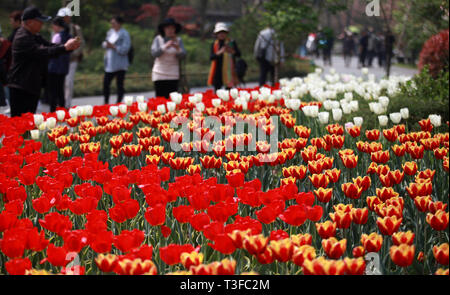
x: 338, y: 65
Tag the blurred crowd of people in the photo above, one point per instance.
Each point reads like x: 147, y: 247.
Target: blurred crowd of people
x: 29, y: 63
x: 367, y: 46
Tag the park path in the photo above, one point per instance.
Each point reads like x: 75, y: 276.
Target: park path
x: 338, y: 65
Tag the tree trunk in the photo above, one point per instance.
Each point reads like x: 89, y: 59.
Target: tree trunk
x: 164, y: 7
x: 202, y: 9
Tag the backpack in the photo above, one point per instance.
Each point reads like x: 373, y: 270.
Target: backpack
x: 241, y: 68
x: 131, y: 54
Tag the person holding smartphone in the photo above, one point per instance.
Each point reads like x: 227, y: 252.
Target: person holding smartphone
x: 224, y: 52
x: 167, y: 49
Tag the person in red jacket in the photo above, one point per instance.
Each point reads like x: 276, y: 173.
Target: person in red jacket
x: 30, y: 54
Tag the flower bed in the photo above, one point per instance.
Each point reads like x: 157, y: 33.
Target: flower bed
x: 148, y: 187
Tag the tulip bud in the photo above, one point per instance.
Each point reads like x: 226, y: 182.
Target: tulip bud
x: 34, y: 134
x: 60, y: 115
x: 50, y: 123
x: 42, y: 127
x: 142, y: 106
x: 38, y: 119
x: 337, y: 114
x: 365, y: 71
x: 405, y: 113
x: 140, y: 99
x: 358, y: 121
x: 216, y: 102
x: 171, y: 106
x: 161, y: 108
x: 395, y: 117
x: 435, y: 120
x: 123, y: 108
x: 384, y: 101
x: 128, y: 100
x: 114, y: 110
x: 383, y: 120
x: 324, y: 117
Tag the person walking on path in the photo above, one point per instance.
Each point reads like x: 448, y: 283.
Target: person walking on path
x: 168, y: 50
x: 265, y: 51
x: 30, y: 54
x: 348, y: 47
x: 117, y: 45
x: 363, y: 43
x: 224, y: 52
x: 58, y: 67
x: 371, y: 47
x: 75, y: 58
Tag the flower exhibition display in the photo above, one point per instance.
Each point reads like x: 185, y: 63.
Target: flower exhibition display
x: 242, y: 181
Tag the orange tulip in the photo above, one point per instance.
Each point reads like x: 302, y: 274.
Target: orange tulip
x: 419, y: 189
x: 342, y: 219
x: 255, y: 244
x: 410, y: 168
x: 301, y: 239
x: 422, y: 203
x: 194, y: 169
x: 390, y: 134
x: 386, y: 193
x: 373, y: 135
x: 351, y: 190
x: 299, y: 172
x: 380, y: 157
x: 372, y: 202
x: 66, y: 152
x: 360, y: 216
x: 354, y: 131
x: 333, y: 174
x: 191, y: 259
x: 322, y: 266
x: 402, y: 255
x: 358, y: 251
x: 399, y: 150
x: 433, y: 207
x: 323, y: 194
x: 319, y: 180
x: 326, y: 229
x: 282, y: 250
x: 438, y: 221
x: 440, y: 153
x: 152, y: 160
x: 363, y: 182
x: 442, y: 272
x: 403, y: 238
x: 334, y: 248
x: 355, y: 266
x: 372, y: 242
x: 389, y: 224
x: 303, y: 253
x: 440, y: 253
x: 350, y: 161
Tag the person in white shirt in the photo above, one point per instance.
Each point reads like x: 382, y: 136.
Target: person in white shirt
x: 168, y: 50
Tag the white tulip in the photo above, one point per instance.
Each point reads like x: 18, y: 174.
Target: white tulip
x: 216, y: 102
x: 199, y: 96
x: 192, y: 99
x: 176, y: 97
x: 42, y: 126
x: 50, y: 123
x: 142, y: 107
x: 383, y: 120
x: 337, y: 114
x: 60, y: 115
x: 161, y: 109
x: 324, y: 117
x: 327, y: 104
x: 318, y: 71
x: 113, y: 110
x: 128, y: 100
x: 140, y: 99
x: 234, y: 93
x: 254, y: 94
x: 73, y: 112
x: 384, y: 101
x: 348, y: 96
x: 278, y: 94
x: 88, y: 110
x: 34, y: 134
x: 80, y: 111
x: 332, y: 71
x: 435, y: 120
x: 395, y: 117
x: 295, y: 104
x: 365, y: 71
x: 358, y: 121
x: 405, y: 113
x: 38, y: 119
x: 171, y: 106
x: 354, y: 105
x: 123, y: 108
x: 200, y: 106
x: 346, y: 108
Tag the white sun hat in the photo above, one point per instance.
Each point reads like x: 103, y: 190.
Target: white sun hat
x: 221, y: 27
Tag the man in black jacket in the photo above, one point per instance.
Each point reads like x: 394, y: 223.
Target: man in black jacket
x: 30, y: 57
